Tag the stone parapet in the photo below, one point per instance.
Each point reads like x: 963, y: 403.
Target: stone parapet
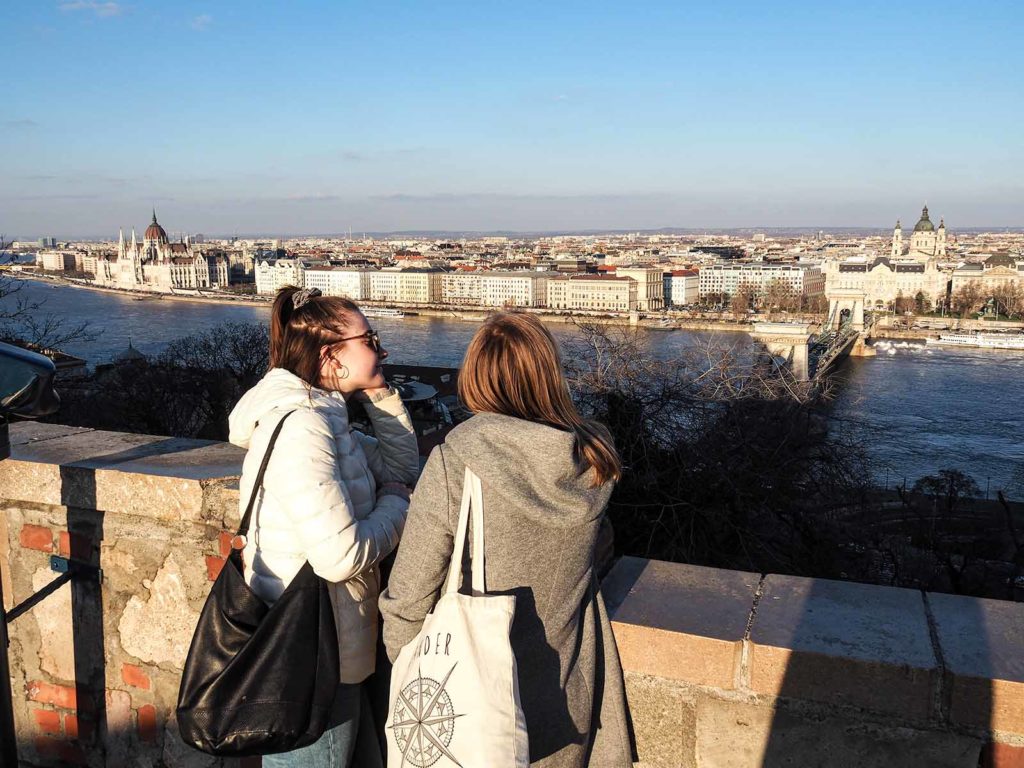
x: 742, y: 670
x: 95, y: 668
x: 723, y: 668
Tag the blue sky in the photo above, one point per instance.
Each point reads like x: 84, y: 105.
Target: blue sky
x: 307, y: 117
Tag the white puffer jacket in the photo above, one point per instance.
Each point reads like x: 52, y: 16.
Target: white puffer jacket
x: 319, y: 501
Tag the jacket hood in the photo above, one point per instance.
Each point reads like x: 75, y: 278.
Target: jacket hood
x: 278, y: 392
x: 528, y: 464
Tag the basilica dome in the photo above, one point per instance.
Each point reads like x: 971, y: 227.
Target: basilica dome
x: 924, y: 225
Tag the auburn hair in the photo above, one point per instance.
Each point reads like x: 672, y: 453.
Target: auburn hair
x: 512, y: 367
x: 296, y: 335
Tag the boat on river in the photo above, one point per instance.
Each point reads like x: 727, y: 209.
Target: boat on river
x: 981, y: 339
x: 392, y: 314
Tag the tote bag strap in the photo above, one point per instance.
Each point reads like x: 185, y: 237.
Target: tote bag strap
x: 243, y: 527
x: 472, y: 503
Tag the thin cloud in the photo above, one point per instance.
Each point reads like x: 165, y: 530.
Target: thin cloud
x: 202, y: 22
x: 101, y: 9
x: 22, y: 124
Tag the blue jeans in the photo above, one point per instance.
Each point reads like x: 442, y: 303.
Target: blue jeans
x: 349, y: 713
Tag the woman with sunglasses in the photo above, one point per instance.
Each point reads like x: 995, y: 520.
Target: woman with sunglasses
x: 331, y: 496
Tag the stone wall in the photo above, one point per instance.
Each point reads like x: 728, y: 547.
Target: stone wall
x: 724, y: 669
x: 95, y: 669
x: 740, y: 670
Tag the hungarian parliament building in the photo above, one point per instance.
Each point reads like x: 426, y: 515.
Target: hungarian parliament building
x: 156, y: 264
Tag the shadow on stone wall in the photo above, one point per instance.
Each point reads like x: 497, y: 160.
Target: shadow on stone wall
x: 893, y: 669
x: 104, y: 737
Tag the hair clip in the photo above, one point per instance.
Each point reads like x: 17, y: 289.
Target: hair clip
x: 300, y: 298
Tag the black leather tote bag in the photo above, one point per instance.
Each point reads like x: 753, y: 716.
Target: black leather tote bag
x: 259, y: 679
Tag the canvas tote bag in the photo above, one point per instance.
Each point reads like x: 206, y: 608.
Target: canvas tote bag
x: 454, y: 689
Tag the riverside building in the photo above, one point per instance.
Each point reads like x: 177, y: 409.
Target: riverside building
x: 156, y: 264
x: 805, y: 280
x: 600, y: 293
x: 650, y: 291
x: 340, y: 281
x: 514, y: 289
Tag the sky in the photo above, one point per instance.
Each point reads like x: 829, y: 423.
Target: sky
x: 314, y: 117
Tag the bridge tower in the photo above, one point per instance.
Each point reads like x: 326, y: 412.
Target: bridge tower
x: 788, y: 340
x: 845, y: 306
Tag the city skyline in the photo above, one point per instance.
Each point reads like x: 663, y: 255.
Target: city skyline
x: 312, y: 120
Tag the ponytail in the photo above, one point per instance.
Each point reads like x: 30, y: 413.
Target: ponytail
x: 280, y: 314
x: 297, y: 334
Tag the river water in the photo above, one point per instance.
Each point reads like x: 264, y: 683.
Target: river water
x: 917, y: 410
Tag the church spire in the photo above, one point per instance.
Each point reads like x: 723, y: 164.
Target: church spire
x: 154, y: 215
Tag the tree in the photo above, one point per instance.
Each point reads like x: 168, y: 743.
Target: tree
x: 968, y: 298
x: 741, y: 301
x: 714, y: 299
x: 950, y: 486
x: 23, y: 318
x: 1009, y: 298
x: 728, y: 462
x: 815, y: 304
x: 903, y: 304
x: 186, y: 391
x: 922, y: 306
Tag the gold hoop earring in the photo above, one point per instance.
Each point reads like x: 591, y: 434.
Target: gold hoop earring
x: 345, y: 375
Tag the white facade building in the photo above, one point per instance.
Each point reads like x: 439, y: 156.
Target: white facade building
x: 650, y: 293
x: 405, y: 286
x: 884, y: 280
x: 274, y: 274
x: 683, y: 287
x: 461, y: 288
x: 600, y: 293
x: 514, y: 289
x: 727, y: 279
x: 56, y: 261
x: 340, y: 281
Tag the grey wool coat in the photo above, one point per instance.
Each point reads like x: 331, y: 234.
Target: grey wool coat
x: 541, y: 523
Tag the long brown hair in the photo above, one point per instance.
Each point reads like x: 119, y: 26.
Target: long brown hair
x: 512, y: 367
x: 296, y: 335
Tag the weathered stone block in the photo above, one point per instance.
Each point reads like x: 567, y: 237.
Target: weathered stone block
x: 743, y: 735
x: 981, y: 642
x: 844, y: 643
x: 664, y: 722
x: 139, y: 475
x: 681, y: 622
x: 56, y: 633
x: 158, y: 627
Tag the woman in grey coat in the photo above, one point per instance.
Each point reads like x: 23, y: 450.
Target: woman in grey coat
x: 546, y: 476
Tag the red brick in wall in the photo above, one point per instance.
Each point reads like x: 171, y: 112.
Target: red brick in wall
x: 58, y: 695
x: 213, y: 567
x: 1002, y: 756
x: 47, y: 720
x: 147, y: 722
x: 37, y: 537
x: 135, y: 676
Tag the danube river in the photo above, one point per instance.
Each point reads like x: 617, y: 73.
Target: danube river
x: 917, y: 409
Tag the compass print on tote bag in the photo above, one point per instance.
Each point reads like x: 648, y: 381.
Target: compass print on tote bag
x: 454, y: 690
x: 424, y: 721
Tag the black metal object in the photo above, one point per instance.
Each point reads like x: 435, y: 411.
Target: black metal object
x: 68, y: 569
x: 26, y: 391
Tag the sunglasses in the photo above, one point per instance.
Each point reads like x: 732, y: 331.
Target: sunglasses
x: 371, y: 337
